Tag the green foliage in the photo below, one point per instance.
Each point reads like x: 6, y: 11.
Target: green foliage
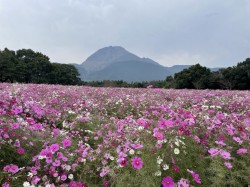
x: 194, y: 77
x: 27, y: 66
x: 199, y: 77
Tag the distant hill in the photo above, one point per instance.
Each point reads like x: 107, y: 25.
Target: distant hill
x: 177, y: 68
x: 116, y: 63
x: 131, y: 71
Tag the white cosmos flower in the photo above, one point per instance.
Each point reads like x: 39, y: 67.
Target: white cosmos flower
x: 158, y: 173
x: 26, y: 184
x: 68, y: 167
x: 111, y: 158
x: 165, y: 167
x: 30, y: 174
x: 70, y: 176
x: 159, y: 160
x: 140, y: 128
x: 131, y: 151
x: 177, y: 143
x: 176, y: 151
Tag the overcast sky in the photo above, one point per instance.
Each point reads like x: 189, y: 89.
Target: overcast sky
x: 214, y: 33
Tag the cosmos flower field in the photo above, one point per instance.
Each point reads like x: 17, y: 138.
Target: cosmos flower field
x: 77, y: 136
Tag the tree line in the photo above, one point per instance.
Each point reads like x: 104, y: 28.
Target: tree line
x: 194, y: 77
x: 200, y: 77
x: 27, y: 66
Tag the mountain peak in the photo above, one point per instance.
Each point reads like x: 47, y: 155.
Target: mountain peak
x: 106, y: 56
x: 116, y: 63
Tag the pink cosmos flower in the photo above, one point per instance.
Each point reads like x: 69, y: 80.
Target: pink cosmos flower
x: 59, y: 155
x: 237, y: 139
x: 17, y: 143
x: 159, y: 136
x: 13, y: 169
x: 54, y: 147
x: 213, y: 152
x: 137, y: 162
x: 5, y: 184
x: 6, y: 136
x: 176, y: 168
x: 187, y: 132
x: 33, y: 170
x: 49, y: 160
x: 122, y: 161
x: 56, y: 163
x: 141, y: 122
x: 15, y: 126
x: 183, y: 183
x: 220, y: 143
x: 106, y: 183
x: 6, y: 168
x: 35, y: 180
x: 195, y: 176
x: 37, y: 126
x: 167, y: 182
x: 63, y: 177
x: 104, y: 171
x: 225, y: 154
x: 17, y: 110
x: 65, y: 159
x: 66, y: 143
x: 158, y: 145
x: 136, y: 146
x: 230, y: 129
x: 20, y: 150
x: 228, y: 165
x: 55, y: 174
x: 169, y: 123
x: 163, y: 124
x: 242, y: 151
x: 197, y: 139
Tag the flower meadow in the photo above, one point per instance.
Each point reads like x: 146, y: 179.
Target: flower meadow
x: 75, y: 136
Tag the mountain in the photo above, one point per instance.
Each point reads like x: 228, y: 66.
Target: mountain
x: 106, y: 56
x: 131, y: 71
x: 116, y: 63
x: 177, y: 68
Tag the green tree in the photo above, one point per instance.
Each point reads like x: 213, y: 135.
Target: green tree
x: 195, y: 76
x: 8, y: 64
x: 65, y: 74
x: 34, y: 67
x: 170, y: 83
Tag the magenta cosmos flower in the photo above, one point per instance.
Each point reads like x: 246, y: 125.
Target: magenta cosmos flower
x: 20, y: 151
x: 54, y: 147
x: 66, y: 143
x: 137, y: 162
x: 122, y: 161
x: 195, y: 176
x: 167, y: 182
x: 13, y: 169
x: 106, y: 183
